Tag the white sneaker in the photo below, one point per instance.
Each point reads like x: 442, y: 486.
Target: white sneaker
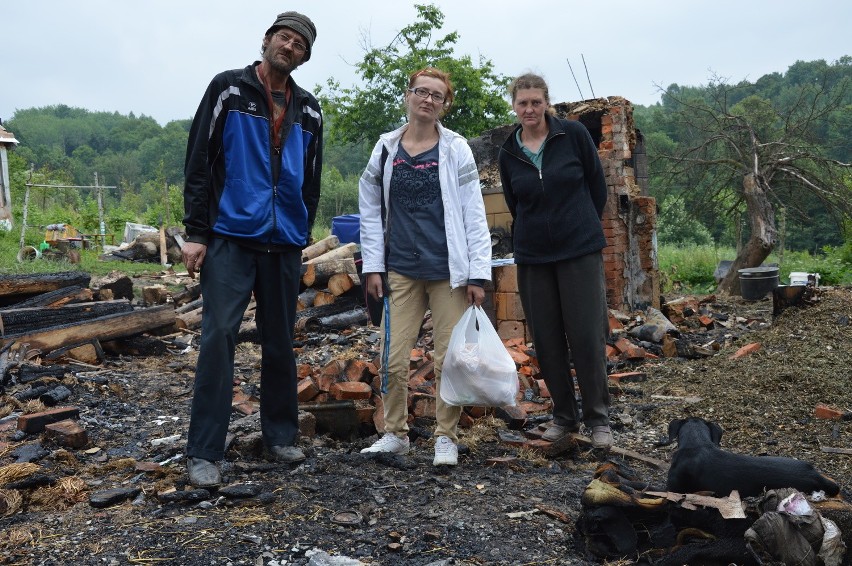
x: 446, y: 452
x: 389, y: 443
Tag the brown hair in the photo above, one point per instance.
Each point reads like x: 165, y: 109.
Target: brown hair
x: 435, y: 74
x: 529, y: 80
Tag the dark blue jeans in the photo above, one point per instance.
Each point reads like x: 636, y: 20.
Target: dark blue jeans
x: 229, y: 275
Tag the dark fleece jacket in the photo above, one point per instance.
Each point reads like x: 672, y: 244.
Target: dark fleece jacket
x: 557, y: 210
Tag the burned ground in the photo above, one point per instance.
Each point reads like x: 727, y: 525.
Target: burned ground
x: 501, y: 506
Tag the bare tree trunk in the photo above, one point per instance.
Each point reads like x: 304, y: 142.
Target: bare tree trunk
x: 763, y: 236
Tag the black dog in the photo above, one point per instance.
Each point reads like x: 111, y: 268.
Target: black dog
x: 699, y: 464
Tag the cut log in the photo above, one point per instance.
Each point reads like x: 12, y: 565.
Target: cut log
x: 19, y: 321
x: 104, y: 328
x: 338, y: 321
x: 14, y: 288
x: 191, y: 293
x: 341, y: 305
x: 341, y: 283
x: 89, y: 352
x: 57, y: 298
x: 190, y: 306
x: 189, y: 320
x: 306, y: 299
x: 323, y: 298
x: 121, y: 287
x: 155, y: 295
x: 347, y: 250
x: 319, y: 248
x: 318, y: 273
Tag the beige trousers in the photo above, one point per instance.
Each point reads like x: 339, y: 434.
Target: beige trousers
x: 409, y: 299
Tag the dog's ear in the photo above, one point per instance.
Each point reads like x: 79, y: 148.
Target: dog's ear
x: 674, y: 429
x: 715, y: 432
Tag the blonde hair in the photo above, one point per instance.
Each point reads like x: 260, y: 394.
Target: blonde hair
x: 529, y: 80
x: 435, y: 74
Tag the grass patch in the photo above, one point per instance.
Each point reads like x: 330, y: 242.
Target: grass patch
x: 690, y: 268
x: 90, y: 262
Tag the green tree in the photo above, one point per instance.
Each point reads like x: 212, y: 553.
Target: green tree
x: 363, y: 113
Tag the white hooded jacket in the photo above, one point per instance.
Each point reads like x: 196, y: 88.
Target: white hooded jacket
x: 468, y: 237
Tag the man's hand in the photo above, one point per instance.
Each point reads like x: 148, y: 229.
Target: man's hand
x: 193, y: 257
x: 475, y: 295
x: 374, y: 285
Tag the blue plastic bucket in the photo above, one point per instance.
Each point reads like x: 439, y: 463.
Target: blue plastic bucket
x: 347, y: 228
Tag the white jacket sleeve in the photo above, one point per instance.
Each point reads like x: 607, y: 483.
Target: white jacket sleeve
x: 473, y: 212
x: 370, y: 209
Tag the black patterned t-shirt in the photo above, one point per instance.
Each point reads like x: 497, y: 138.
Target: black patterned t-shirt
x: 418, y: 240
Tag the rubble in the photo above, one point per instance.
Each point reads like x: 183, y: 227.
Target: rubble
x: 123, y: 427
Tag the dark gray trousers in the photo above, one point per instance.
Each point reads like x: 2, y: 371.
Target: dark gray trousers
x: 566, y: 311
x: 229, y: 275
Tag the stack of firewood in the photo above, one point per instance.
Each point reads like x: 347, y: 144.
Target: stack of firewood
x: 330, y: 297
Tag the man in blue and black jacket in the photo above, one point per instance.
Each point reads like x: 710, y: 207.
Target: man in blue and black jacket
x: 253, y: 168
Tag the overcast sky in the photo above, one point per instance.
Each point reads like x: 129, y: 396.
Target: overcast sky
x: 156, y: 57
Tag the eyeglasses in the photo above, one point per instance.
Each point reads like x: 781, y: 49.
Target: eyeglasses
x: 437, y: 97
x: 295, y: 44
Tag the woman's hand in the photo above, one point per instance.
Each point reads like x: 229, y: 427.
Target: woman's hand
x: 374, y: 285
x: 475, y: 295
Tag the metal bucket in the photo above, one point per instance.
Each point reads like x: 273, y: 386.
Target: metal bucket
x: 757, y: 282
x: 28, y: 253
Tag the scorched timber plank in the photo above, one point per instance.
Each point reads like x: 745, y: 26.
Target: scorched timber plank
x: 110, y: 327
x: 32, y: 284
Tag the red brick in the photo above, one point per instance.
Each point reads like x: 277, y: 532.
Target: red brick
x: 423, y: 405
x: 543, y: 391
x: 507, y: 329
x: 307, y: 390
x: 35, y: 422
x: 67, y: 433
x: 357, y: 370
x: 351, y: 390
x: 823, y: 411
x: 506, y: 278
x: 304, y: 370
x: 519, y: 357
x: 629, y: 376
x: 746, y: 350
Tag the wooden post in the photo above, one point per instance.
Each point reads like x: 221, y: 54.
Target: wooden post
x: 26, y: 206
x: 100, y: 211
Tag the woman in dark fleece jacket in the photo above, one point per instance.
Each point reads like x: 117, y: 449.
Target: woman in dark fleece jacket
x: 555, y: 188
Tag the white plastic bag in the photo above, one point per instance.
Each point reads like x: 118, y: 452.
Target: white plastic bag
x: 477, y: 370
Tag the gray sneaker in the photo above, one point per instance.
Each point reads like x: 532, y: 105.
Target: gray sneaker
x: 203, y: 473
x: 601, y: 437
x: 286, y: 454
x: 554, y: 432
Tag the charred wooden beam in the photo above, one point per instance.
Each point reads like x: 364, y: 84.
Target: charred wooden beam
x: 110, y: 327
x: 15, y: 288
x: 19, y: 321
x: 57, y: 298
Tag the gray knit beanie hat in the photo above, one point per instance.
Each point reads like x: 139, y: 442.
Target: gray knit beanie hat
x: 299, y: 23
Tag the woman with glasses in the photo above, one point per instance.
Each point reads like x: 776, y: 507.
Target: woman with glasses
x: 555, y: 189
x: 423, y: 223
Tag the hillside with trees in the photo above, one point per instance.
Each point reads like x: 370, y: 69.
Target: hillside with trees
x: 702, y: 142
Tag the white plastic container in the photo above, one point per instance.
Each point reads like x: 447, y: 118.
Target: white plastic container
x: 801, y: 278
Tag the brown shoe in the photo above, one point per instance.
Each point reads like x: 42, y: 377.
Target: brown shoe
x: 601, y: 437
